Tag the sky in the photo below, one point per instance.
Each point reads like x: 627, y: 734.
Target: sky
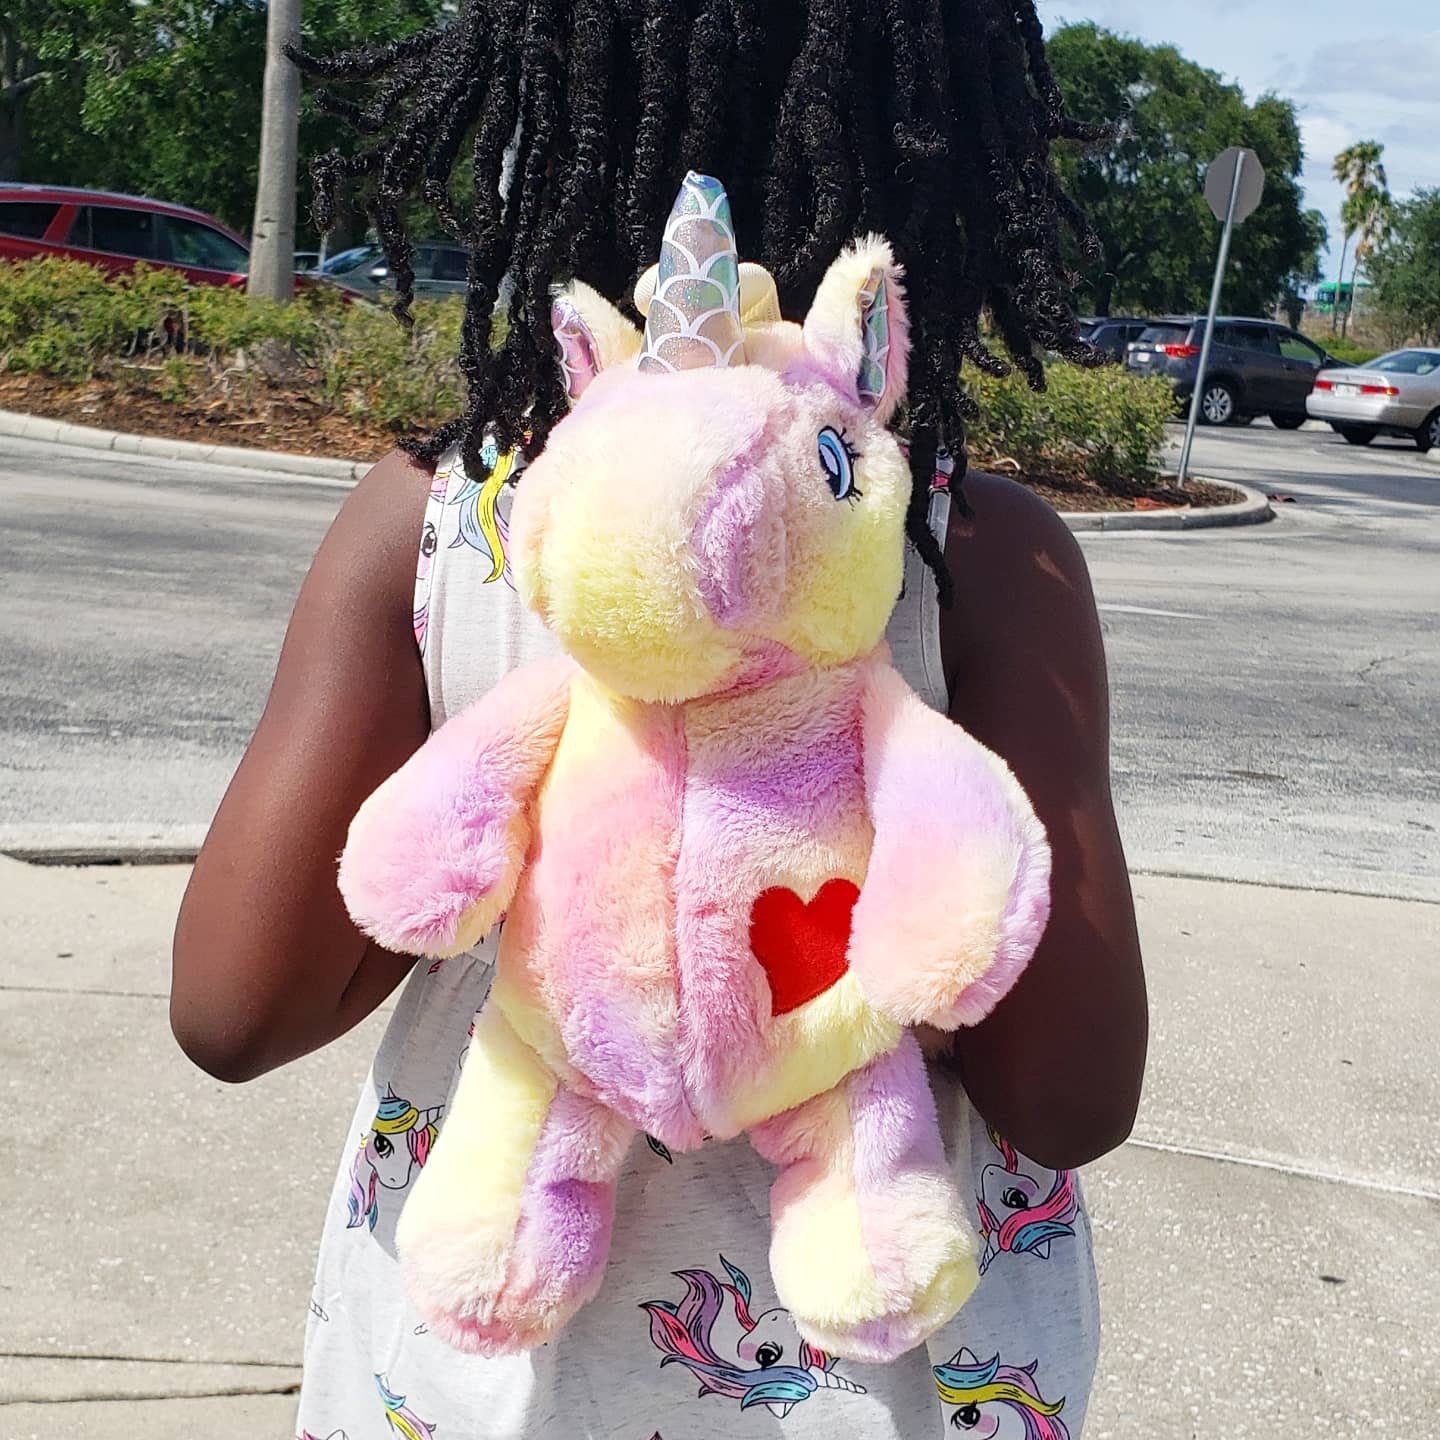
x: 1355, y: 72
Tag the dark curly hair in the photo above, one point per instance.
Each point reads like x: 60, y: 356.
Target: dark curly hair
x: 928, y: 120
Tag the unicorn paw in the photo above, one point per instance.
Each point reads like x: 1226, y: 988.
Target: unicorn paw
x: 873, y: 1302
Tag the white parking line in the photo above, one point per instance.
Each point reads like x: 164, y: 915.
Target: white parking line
x: 1145, y: 610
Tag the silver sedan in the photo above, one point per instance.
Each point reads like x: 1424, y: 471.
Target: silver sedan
x: 1398, y: 394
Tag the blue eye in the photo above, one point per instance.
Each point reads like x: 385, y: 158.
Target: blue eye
x: 837, y: 460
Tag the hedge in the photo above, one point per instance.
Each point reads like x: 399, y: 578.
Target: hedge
x: 1102, y: 427
x: 68, y: 320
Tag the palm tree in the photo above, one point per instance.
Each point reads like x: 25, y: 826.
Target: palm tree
x: 1361, y: 170
x: 1369, y: 215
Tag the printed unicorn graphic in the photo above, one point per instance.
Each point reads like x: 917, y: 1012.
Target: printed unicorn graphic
x: 997, y: 1402
x: 484, y: 513
x: 403, y: 1421
x: 1023, y: 1206
x: 429, y: 543
x: 735, y: 1353
x: 391, y: 1151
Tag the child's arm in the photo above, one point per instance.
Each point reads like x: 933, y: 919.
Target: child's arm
x: 1057, y: 1066
x: 267, y: 964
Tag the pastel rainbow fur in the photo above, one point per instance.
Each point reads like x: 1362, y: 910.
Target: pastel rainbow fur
x: 736, y: 855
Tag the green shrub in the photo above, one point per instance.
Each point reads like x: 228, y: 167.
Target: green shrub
x: 71, y: 321
x: 372, y: 369
x: 1346, y: 350
x: 1102, y: 427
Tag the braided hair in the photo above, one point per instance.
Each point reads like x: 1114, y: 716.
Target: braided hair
x: 929, y: 120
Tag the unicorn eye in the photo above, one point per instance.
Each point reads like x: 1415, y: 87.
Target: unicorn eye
x: 1015, y: 1198
x: 383, y: 1148
x: 767, y: 1354
x: 967, y: 1417
x: 837, y: 460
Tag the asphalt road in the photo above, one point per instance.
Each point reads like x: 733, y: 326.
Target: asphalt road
x: 1275, y: 689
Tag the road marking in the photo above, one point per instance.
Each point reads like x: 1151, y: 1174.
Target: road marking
x: 1303, y: 1172
x: 1145, y: 610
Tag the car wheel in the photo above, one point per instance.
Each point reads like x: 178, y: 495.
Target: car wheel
x: 1217, y: 404
x: 1358, y: 434
x: 1427, y: 437
x: 1287, y: 422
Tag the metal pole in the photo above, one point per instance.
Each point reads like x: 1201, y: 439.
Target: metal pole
x: 1215, y: 290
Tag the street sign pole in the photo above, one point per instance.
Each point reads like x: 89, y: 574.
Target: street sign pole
x: 1215, y: 290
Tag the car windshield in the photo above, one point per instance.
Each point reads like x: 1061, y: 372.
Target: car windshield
x: 1164, y: 334
x: 348, y: 260
x: 1408, y: 362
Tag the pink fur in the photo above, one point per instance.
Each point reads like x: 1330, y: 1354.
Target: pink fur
x: 952, y: 828
x: 448, y: 829
x: 669, y: 827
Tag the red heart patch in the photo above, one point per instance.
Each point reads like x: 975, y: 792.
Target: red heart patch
x: 802, y: 948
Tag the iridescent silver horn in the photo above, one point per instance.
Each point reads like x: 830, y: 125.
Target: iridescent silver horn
x: 694, y: 319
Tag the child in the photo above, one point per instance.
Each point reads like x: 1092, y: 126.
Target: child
x: 929, y: 120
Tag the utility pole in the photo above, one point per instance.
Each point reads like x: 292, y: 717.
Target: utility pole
x: 272, y: 238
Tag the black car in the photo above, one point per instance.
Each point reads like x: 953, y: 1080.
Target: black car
x: 1112, y: 335
x: 1256, y: 367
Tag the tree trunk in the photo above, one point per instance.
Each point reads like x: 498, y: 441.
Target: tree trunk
x: 1350, y: 299
x: 1339, y: 288
x: 12, y: 137
x: 272, y: 240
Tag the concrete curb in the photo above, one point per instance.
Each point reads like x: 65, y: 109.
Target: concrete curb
x: 1254, y: 509
x: 90, y: 844
x: 62, y: 432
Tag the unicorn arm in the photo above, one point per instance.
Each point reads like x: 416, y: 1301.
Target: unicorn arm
x: 958, y: 888
x: 434, y: 855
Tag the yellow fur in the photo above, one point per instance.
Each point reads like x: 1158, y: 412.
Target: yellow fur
x: 460, y: 1224
x: 813, y: 1048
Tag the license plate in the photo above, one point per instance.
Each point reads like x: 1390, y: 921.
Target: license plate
x: 1347, y: 390
x: 1142, y: 357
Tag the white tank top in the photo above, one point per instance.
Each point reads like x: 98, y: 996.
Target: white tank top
x: 687, y: 1314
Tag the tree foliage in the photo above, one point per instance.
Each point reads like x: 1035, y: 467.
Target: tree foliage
x: 1143, y: 190
x: 163, y: 98
x: 1404, y: 271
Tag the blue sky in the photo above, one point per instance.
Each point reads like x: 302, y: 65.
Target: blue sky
x: 1355, y: 71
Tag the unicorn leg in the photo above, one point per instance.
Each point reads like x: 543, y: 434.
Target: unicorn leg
x: 506, y: 1230
x: 871, y: 1252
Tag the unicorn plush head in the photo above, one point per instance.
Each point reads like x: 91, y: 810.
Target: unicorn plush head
x: 724, y: 504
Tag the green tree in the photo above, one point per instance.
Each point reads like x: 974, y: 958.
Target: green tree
x: 1143, y: 191
x: 164, y: 98
x: 1366, y: 213
x: 1405, y: 271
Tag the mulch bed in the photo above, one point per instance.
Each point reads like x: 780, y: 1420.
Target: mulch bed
x: 283, y: 420
x: 288, y: 420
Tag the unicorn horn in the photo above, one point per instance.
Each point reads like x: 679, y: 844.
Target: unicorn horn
x: 694, y: 320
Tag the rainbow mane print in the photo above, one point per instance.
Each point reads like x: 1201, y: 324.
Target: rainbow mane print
x: 710, y: 827
x: 997, y: 1402
x: 738, y: 1355
x: 403, y: 1421
x: 381, y: 1162
x: 1018, y: 1214
x: 482, y: 526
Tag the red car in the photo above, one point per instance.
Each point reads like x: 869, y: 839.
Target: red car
x: 116, y: 231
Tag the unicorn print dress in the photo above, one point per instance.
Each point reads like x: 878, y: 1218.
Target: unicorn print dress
x: 686, y: 1340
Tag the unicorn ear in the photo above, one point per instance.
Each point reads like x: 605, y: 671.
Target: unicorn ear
x: 858, y: 328
x: 592, y: 334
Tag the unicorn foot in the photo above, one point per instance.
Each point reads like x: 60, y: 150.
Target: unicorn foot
x: 505, y: 1233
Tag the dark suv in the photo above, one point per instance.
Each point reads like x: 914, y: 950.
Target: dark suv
x: 1256, y: 367
x: 1112, y: 335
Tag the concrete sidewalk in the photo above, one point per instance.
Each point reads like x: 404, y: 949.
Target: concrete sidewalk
x: 1268, y: 1245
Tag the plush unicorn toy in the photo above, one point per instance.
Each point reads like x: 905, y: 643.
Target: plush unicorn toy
x: 736, y: 856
